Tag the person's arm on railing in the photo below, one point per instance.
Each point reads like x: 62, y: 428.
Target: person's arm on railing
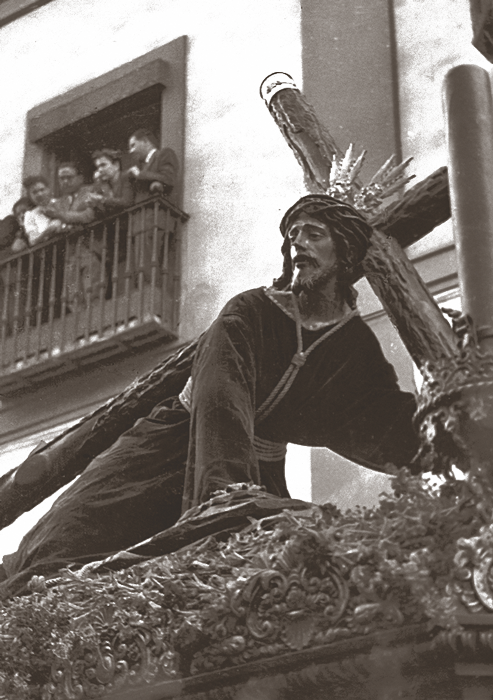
x: 109, y: 200
x: 70, y: 217
x: 19, y: 244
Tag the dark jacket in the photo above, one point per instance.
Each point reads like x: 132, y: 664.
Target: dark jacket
x: 116, y: 196
x: 8, y: 229
x: 163, y: 168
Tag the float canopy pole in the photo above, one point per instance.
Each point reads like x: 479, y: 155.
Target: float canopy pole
x: 469, y: 109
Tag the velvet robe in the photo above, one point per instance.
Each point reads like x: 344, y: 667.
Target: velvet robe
x: 345, y: 397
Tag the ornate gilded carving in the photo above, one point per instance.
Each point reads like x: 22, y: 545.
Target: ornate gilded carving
x: 137, y: 653
x: 473, y: 583
x: 290, y: 582
x: 453, y: 394
x: 272, y: 598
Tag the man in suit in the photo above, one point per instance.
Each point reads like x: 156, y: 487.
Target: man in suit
x: 73, y: 207
x: 113, y: 192
x: 155, y: 170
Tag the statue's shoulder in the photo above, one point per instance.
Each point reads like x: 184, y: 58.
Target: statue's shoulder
x: 247, y: 302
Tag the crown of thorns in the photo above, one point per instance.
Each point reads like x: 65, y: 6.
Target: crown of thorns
x: 367, y: 199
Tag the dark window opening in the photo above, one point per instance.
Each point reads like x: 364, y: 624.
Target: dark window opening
x: 107, y: 128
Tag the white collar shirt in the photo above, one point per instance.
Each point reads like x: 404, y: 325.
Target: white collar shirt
x: 150, y: 154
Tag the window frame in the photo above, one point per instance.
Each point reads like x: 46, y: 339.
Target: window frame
x: 164, y: 66
x: 10, y: 10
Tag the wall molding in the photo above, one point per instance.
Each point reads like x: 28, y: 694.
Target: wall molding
x: 11, y: 10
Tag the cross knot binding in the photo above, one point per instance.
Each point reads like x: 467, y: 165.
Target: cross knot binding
x: 299, y: 359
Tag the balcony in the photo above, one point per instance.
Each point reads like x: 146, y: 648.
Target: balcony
x: 96, y: 292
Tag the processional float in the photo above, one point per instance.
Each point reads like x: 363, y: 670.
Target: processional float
x: 303, y: 601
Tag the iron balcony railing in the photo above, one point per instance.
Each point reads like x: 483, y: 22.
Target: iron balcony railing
x: 91, y: 292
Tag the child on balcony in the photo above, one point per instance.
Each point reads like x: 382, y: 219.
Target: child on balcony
x: 38, y: 224
x: 19, y: 211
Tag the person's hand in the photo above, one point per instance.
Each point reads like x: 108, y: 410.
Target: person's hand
x: 18, y: 245
x: 134, y: 171
x: 156, y: 187
x: 94, y: 198
x: 54, y: 227
x: 49, y: 211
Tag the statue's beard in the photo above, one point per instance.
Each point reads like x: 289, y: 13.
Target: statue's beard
x: 313, y: 283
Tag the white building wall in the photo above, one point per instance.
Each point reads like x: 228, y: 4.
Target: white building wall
x: 432, y: 37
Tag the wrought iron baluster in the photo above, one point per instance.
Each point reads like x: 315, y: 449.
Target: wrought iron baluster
x: 64, y: 299
x: 87, y: 285
x: 5, y: 308
x: 51, y: 301
x: 114, y: 277
x: 165, y: 269
x: 29, y: 320
x: 141, y: 264
x: 154, y: 260
x: 128, y: 268
x: 39, y: 302
x: 17, y: 317
x: 102, y: 281
x: 76, y: 288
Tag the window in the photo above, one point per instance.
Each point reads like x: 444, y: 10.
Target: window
x: 148, y: 92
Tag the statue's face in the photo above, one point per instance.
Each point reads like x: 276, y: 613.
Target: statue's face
x: 313, y: 252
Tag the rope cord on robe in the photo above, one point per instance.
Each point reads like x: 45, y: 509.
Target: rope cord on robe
x: 297, y: 361
x: 266, y: 450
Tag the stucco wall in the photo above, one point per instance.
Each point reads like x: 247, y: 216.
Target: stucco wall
x: 239, y: 175
x: 432, y: 37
